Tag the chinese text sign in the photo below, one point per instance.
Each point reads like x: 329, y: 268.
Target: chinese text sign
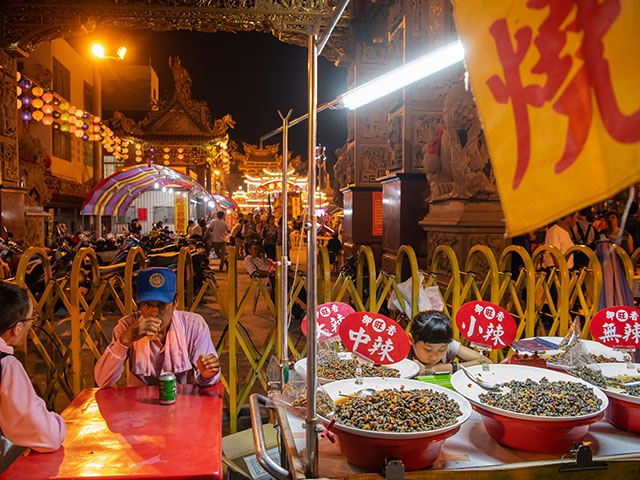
x: 374, y: 337
x: 329, y: 316
x: 617, y: 327
x: 555, y: 83
x: 486, y: 324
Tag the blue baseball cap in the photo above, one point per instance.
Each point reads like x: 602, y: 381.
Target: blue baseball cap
x: 156, y: 284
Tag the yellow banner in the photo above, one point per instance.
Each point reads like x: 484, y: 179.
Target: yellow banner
x: 557, y: 88
x: 180, y: 212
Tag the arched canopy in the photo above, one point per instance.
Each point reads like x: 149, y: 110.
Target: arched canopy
x: 114, y: 194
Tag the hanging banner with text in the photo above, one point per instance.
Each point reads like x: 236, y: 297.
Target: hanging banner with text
x: 180, y: 203
x: 374, y: 337
x: 142, y: 214
x: 486, y: 324
x: 557, y: 92
x: 376, y: 214
x: 617, y: 327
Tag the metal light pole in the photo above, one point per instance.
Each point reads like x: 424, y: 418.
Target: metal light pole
x: 311, y: 421
x: 284, y: 304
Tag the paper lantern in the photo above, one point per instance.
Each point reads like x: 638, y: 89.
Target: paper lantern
x: 78, y: 133
x: 24, y: 83
x: 37, y: 91
x: 125, y: 156
x: 96, y: 119
x: 25, y: 115
x: 26, y: 100
x: 180, y: 157
x: 56, y: 126
x: 165, y: 156
x: 47, y: 97
x: 166, y: 162
x: 19, y: 103
x: 138, y: 146
x: 84, y: 126
x: 47, y: 109
x: 180, y: 150
x: 72, y: 110
x: 18, y: 90
x: 79, y: 123
x: 96, y: 129
x: 18, y: 76
x: 85, y: 115
x: 64, y: 106
x: 79, y: 113
x: 138, y: 159
x: 37, y: 103
x: 85, y: 137
x: 72, y: 128
x: 165, y: 149
x: 37, y: 115
x: 64, y: 116
x: 57, y: 114
x: 64, y: 127
x: 47, y: 120
x: 152, y: 149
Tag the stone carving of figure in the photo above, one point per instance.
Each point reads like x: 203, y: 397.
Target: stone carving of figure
x: 342, y: 172
x: 457, y: 163
x: 32, y: 167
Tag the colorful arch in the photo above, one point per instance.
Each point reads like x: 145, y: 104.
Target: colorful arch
x: 114, y: 194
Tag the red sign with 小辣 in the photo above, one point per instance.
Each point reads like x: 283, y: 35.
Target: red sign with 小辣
x: 486, y: 324
x: 329, y: 316
x: 374, y: 337
x: 617, y: 327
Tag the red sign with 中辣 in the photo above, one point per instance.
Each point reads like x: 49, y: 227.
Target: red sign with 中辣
x: 374, y: 337
x: 617, y: 327
x: 486, y: 324
x: 142, y: 214
x: 329, y: 316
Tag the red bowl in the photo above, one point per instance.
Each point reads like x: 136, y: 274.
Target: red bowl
x: 623, y: 414
x: 623, y: 410
x: 534, y: 436
x: 368, y: 449
x: 369, y: 453
x: 531, y: 433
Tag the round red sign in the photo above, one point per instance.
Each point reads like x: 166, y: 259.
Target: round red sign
x: 329, y: 317
x: 374, y: 337
x: 617, y: 327
x: 486, y: 324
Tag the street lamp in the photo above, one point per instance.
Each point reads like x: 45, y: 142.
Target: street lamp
x: 98, y: 51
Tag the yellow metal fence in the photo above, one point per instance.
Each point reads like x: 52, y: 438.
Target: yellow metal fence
x: 555, y: 294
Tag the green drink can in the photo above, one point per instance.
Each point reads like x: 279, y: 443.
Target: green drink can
x: 167, y: 388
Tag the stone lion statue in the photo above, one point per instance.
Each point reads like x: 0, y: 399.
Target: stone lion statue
x: 32, y: 167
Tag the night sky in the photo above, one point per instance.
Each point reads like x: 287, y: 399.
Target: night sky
x: 249, y: 75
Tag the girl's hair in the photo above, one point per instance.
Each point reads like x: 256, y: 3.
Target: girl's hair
x: 14, y: 303
x: 431, y: 327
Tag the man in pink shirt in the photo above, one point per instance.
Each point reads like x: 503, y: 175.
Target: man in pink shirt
x: 158, y: 338
x: 24, y: 418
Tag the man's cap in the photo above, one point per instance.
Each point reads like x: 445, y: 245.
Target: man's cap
x: 156, y: 284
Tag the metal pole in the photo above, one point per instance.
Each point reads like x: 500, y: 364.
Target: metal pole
x: 284, y: 310
x: 337, y: 13
x: 311, y: 422
x: 296, y: 121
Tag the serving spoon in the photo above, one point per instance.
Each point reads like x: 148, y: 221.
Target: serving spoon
x: 492, y: 387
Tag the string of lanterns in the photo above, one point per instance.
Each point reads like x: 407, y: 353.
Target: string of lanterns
x: 39, y: 105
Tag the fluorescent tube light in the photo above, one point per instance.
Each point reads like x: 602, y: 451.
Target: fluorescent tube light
x: 408, y: 73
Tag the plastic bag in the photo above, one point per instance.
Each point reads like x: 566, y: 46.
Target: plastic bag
x: 428, y: 297
x: 573, y: 352
x: 294, y: 397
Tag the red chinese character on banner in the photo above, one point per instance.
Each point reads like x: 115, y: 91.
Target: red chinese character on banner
x: 592, y: 20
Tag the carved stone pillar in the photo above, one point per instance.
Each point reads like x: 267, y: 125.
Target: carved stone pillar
x: 362, y: 220
x: 414, y: 28
x: 11, y: 195
x: 366, y: 150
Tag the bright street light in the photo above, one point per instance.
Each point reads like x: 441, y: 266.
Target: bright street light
x: 98, y: 51
x: 404, y: 75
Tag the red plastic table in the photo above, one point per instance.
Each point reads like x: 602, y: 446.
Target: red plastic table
x: 119, y: 433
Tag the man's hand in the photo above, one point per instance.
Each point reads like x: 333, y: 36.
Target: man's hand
x: 144, y: 327
x: 208, y: 365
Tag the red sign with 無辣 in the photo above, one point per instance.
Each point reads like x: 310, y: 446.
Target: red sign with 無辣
x: 486, y: 324
x: 617, y: 327
x: 374, y: 337
x: 329, y: 316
